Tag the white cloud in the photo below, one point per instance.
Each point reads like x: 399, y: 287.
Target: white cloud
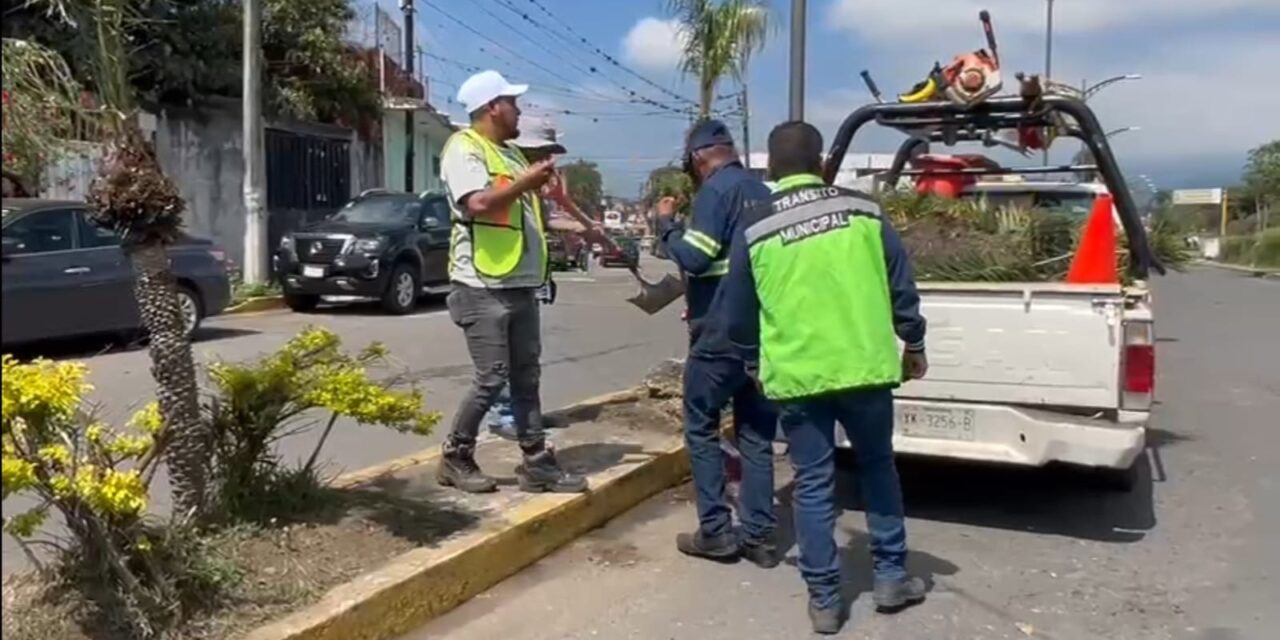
x: 1200, y: 98
x: 653, y: 44
x: 904, y: 20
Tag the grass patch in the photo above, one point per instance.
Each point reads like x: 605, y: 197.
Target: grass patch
x: 241, y: 291
x: 1260, y: 249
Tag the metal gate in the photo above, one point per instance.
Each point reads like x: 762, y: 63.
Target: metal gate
x: 308, y: 179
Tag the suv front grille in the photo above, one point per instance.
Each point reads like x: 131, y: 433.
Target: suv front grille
x: 319, y: 250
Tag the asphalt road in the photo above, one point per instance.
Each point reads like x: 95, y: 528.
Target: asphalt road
x: 1191, y: 553
x: 593, y: 343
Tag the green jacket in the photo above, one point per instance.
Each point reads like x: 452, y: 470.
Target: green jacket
x: 821, y: 291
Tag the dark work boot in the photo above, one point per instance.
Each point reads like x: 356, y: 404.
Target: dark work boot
x: 721, y: 548
x: 826, y: 621
x: 891, y: 596
x: 458, y: 469
x: 763, y: 552
x: 541, y: 473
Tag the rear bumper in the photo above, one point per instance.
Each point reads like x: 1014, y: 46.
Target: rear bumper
x: 1022, y: 436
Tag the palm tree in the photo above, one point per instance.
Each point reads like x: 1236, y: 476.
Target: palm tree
x: 719, y: 40
x: 132, y: 197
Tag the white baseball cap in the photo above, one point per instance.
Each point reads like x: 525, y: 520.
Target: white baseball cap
x: 485, y: 87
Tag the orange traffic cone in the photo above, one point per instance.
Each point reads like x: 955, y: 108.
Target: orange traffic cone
x: 1095, y: 259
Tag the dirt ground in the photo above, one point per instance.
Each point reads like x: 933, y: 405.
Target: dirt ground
x: 283, y: 567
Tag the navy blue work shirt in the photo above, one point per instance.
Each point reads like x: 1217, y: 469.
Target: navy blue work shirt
x: 701, y: 248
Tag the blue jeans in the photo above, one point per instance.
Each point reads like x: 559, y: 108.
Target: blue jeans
x: 867, y: 416
x: 709, y: 383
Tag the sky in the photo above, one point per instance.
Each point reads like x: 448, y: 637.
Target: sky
x: 1207, y: 94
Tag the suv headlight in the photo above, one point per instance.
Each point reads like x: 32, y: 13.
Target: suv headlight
x: 368, y: 245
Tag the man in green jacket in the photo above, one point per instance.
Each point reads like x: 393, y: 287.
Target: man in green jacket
x: 821, y: 293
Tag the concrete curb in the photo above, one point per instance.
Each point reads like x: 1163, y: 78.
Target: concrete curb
x: 1257, y: 272
x: 255, y: 305
x: 424, y: 583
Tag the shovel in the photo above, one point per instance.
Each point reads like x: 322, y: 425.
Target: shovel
x: 653, y: 296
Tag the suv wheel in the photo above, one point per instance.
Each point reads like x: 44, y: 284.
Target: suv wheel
x: 300, y: 303
x: 403, y: 289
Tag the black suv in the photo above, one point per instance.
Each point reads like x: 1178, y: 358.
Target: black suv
x: 392, y: 247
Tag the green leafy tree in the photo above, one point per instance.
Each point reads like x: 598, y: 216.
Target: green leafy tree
x: 311, y: 71
x: 1262, y: 174
x: 719, y: 40
x: 185, y: 51
x: 586, y: 185
x: 40, y: 98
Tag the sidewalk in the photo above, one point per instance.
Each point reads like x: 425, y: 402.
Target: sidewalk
x: 1257, y: 272
x: 629, y: 447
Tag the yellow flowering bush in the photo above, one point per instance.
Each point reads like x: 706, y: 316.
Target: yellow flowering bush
x: 256, y: 403
x: 54, y: 451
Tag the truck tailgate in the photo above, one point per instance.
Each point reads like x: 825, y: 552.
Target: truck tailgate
x: 1048, y: 344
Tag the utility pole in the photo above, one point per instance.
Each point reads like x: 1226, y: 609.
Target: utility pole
x: 1048, y: 61
x: 746, y: 126
x: 798, y: 19
x: 407, y: 7
x: 256, y: 270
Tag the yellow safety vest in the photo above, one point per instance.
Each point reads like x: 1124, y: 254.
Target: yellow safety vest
x: 497, y: 245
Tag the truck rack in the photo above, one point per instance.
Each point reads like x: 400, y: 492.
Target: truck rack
x: 950, y: 123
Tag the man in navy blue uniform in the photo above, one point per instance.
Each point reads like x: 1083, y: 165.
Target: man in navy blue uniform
x: 714, y: 372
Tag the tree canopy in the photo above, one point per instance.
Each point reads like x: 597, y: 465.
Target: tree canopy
x: 185, y: 51
x: 1262, y: 172
x: 586, y: 186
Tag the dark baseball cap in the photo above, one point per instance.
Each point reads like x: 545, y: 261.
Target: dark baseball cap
x: 708, y: 133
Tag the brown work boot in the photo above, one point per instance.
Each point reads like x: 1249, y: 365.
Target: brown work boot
x: 541, y: 473
x: 458, y: 469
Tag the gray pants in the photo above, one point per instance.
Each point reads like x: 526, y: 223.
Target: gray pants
x: 503, y: 332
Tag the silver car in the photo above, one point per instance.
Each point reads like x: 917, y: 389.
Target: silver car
x: 65, y: 277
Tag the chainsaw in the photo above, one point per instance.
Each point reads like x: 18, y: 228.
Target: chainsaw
x: 968, y: 79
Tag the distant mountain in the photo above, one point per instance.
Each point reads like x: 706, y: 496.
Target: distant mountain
x: 1183, y: 173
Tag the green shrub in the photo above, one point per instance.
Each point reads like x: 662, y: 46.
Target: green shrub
x: 255, y: 404
x: 1262, y: 249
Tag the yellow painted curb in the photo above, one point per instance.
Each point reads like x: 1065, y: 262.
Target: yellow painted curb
x: 425, y: 456
x: 424, y: 583
x: 254, y: 305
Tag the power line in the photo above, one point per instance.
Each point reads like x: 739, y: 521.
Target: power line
x: 598, y: 51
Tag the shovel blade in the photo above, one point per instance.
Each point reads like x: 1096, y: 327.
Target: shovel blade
x: 655, y: 296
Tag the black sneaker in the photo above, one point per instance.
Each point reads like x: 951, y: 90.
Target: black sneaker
x: 721, y: 548
x: 762, y: 553
x: 541, y: 473
x: 891, y: 596
x: 458, y: 469
x: 826, y: 621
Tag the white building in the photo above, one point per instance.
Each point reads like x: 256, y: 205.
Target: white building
x: 855, y: 171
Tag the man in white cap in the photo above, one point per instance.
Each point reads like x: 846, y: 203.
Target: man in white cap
x: 536, y: 145
x: 498, y: 260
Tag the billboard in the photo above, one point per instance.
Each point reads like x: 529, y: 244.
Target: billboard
x: 1197, y: 196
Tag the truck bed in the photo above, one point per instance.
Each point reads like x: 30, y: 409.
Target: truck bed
x: 1036, y: 344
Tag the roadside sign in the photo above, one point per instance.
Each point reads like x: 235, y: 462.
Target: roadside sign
x: 1197, y: 196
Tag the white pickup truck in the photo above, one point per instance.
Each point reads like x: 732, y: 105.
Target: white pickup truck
x: 1024, y: 373
x: 1033, y: 373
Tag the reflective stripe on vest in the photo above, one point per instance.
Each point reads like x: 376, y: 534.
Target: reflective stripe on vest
x: 498, y: 245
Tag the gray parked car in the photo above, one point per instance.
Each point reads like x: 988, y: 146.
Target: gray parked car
x: 66, y: 277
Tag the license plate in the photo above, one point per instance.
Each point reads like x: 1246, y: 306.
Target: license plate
x: 936, y: 422
x: 310, y: 271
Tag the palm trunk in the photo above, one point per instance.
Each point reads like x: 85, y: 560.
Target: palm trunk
x: 173, y: 367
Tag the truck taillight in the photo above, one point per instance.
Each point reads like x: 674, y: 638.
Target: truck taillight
x: 1139, y: 375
